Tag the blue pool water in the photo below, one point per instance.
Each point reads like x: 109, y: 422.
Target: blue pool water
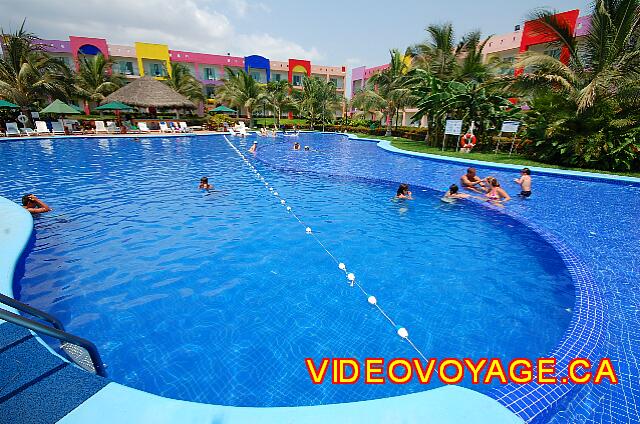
x: 219, y: 297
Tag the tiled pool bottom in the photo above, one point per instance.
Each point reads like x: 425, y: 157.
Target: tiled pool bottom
x: 594, y: 218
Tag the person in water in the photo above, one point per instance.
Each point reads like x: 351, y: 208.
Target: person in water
x: 204, y: 184
x: 471, y: 181
x: 403, y: 192
x: 307, y: 148
x: 34, y: 205
x: 496, y: 194
x: 296, y: 146
x: 254, y: 147
x: 454, y: 193
x: 525, y: 182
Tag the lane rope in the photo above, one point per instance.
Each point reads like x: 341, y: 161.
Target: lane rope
x: 350, y: 276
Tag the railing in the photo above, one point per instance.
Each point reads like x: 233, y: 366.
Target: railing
x: 57, y: 332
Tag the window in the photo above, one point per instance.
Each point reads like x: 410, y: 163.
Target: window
x: 256, y: 76
x: 125, y: 68
x: 277, y: 77
x: 555, y: 53
x: 336, y: 81
x: 210, y: 74
x: 156, y: 70
x: 297, y: 80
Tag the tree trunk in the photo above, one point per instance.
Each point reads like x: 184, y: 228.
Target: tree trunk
x: 389, y: 126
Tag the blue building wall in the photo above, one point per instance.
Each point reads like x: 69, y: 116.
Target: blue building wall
x: 258, y: 62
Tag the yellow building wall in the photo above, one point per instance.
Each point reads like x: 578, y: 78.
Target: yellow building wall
x: 154, y: 52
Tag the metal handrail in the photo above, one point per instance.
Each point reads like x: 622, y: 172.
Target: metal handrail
x: 9, y: 301
x: 57, y: 333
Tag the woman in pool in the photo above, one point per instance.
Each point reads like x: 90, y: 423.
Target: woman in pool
x: 296, y: 146
x: 204, y: 184
x: 403, y: 192
x: 254, y: 147
x: 496, y: 194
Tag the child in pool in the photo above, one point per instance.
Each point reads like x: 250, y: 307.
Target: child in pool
x: 204, y: 184
x: 525, y: 182
x: 403, y: 192
x: 453, y: 193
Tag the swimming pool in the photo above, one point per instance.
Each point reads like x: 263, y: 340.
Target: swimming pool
x: 218, y: 297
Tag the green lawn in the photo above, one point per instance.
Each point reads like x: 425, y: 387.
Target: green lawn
x: 419, y: 146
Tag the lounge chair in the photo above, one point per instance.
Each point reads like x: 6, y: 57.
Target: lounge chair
x: 131, y: 128
x: 142, y: 126
x: 164, y: 128
x: 41, y: 128
x: 184, y: 127
x: 12, y: 129
x: 27, y: 131
x: 56, y: 128
x: 68, y: 124
x: 112, y: 128
x: 100, y: 128
x: 174, y: 127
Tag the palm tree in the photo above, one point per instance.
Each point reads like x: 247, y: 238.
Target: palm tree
x: 94, y: 79
x: 317, y: 101
x: 28, y: 76
x: 278, y: 98
x: 240, y: 90
x: 438, y: 53
x: 182, y: 81
x: 446, y: 59
x: 597, y: 87
x: 386, y: 91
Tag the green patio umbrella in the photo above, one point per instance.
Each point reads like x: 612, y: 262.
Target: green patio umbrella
x: 8, y: 105
x: 114, y: 106
x: 78, y: 108
x: 60, y: 108
x: 223, y: 109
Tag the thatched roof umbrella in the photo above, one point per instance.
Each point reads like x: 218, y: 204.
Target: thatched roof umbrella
x: 151, y: 93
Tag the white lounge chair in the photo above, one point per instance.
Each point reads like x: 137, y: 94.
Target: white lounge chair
x: 184, y: 127
x: 56, y: 128
x: 100, y: 128
x: 112, y: 128
x: 12, y: 129
x: 27, y: 131
x: 68, y: 124
x: 164, y: 128
x: 142, y: 126
x: 41, y: 128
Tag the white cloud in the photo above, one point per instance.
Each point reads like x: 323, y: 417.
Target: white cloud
x: 193, y: 25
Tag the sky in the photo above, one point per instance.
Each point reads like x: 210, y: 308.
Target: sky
x: 346, y: 32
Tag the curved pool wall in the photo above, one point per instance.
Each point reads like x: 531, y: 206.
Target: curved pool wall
x: 590, y: 219
x: 598, y: 299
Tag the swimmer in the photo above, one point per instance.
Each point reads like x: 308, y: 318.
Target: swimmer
x: 496, y: 194
x: 263, y: 131
x: 204, y: 184
x: 34, y: 205
x: 296, y: 146
x: 470, y: 181
x: 403, y: 192
x: 307, y: 148
x: 453, y: 193
x: 525, y: 182
x: 254, y: 147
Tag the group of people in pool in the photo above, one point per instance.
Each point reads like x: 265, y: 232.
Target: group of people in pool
x: 487, y: 188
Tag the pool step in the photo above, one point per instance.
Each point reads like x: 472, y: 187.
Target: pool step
x: 36, y: 386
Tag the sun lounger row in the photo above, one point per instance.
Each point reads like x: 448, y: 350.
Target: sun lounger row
x: 58, y: 128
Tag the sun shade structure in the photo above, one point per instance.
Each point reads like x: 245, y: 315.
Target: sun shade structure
x: 7, y: 105
x: 223, y: 109
x: 149, y: 92
x: 59, y: 107
x: 114, y: 106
